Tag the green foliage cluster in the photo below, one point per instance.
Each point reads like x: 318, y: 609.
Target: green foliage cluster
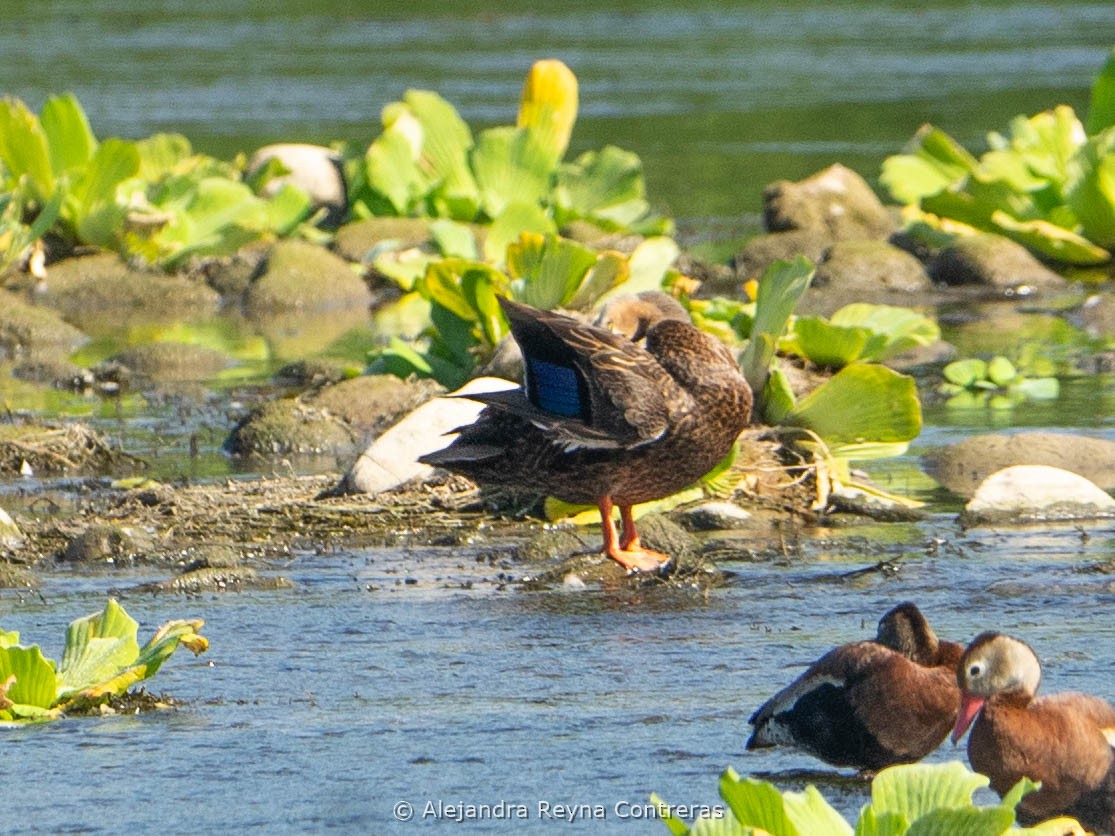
x: 153, y: 197
x: 428, y: 163
x: 1049, y: 183
x: 102, y: 658
x: 913, y: 798
x: 999, y: 383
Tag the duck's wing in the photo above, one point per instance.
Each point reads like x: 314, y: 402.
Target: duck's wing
x: 593, y: 388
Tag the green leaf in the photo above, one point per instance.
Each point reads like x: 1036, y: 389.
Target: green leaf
x: 967, y: 372
x: 511, y: 166
x: 826, y: 344
x: 675, y: 825
x: 780, y: 289
x: 881, y: 824
x: 862, y: 402
x: 913, y: 790
x: 929, y: 164
x: 9, y: 638
x: 289, y: 207
x: 756, y: 804
x: 513, y: 221
x: 649, y: 262
x: 970, y: 821
x: 778, y: 398
x: 605, y: 185
x: 1091, y: 193
x: 393, y: 171
x: 36, y: 683
x: 97, y: 647
x: 893, y: 329
x: 810, y: 813
x: 98, y: 214
x: 1001, y: 371
x: 161, y: 154
x: 454, y: 239
x: 446, y: 141
x: 547, y: 270
x: 23, y: 148
x: 1101, y: 109
x: 70, y: 139
x: 610, y: 270
x: 1054, y: 241
x: 1038, y: 388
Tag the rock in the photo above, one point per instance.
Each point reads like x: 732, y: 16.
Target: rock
x: 10, y: 535
x: 286, y: 426
x: 215, y: 579
x: 372, y: 403
x: 552, y: 544
x: 714, y: 278
x: 763, y: 250
x: 299, y: 277
x: 101, y: 294
x: 314, y: 372
x: 835, y: 201
x: 393, y: 458
x: 314, y: 169
x: 1035, y: 493
x: 867, y: 267
x: 1098, y: 314
x: 714, y: 516
x: 28, y: 330
x: 994, y: 262
x: 961, y: 467
x: 355, y: 241
x: 105, y: 543
x: 168, y: 361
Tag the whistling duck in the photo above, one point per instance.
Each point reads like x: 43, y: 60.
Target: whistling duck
x: 1064, y: 740
x: 602, y: 419
x: 869, y: 704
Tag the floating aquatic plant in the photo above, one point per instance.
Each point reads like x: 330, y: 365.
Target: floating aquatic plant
x: 1048, y: 183
x: 998, y: 382
x: 102, y: 659
x: 912, y: 798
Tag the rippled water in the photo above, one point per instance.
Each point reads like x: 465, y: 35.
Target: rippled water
x: 324, y: 706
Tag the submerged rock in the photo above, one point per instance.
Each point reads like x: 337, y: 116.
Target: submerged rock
x: 961, y: 467
x: 106, y: 543
x: 216, y: 579
x: 168, y: 361
x: 714, y: 516
x: 354, y: 241
x: 1035, y: 493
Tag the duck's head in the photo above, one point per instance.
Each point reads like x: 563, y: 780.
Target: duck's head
x: 993, y: 664
x: 633, y: 315
x: 904, y: 629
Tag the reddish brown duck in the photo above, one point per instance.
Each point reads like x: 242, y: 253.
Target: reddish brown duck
x: 602, y: 419
x: 1064, y: 740
x: 869, y: 704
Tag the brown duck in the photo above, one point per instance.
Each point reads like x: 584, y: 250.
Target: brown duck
x: 602, y: 419
x: 1063, y: 740
x: 869, y: 704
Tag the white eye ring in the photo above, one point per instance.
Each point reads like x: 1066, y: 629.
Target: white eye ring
x: 975, y: 669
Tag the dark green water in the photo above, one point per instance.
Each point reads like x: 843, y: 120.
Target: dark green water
x: 320, y: 708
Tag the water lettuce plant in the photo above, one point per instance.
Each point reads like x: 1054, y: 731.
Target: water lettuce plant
x: 102, y: 658
x: 153, y: 198
x: 1048, y: 183
x: 912, y: 798
x: 998, y: 382
x: 428, y: 163
x: 859, y: 332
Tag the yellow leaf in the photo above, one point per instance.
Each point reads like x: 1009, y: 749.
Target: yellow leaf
x: 549, y: 105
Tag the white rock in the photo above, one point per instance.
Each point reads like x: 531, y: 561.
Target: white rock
x: 392, y: 459
x: 9, y: 531
x: 313, y: 168
x: 715, y: 516
x: 1033, y: 493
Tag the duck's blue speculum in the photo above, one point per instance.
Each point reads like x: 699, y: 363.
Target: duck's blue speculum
x: 555, y: 388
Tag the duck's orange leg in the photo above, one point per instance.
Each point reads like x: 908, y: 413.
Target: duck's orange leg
x: 629, y: 553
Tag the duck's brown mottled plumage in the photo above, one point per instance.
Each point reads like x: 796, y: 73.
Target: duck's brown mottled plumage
x: 1064, y: 740
x: 603, y: 420
x: 869, y: 704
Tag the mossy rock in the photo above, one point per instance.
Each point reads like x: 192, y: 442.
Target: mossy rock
x: 354, y: 241
x: 836, y: 201
x: 28, y: 330
x: 299, y: 276
x: 992, y: 261
x: 372, y: 403
x: 760, y: 252
x: 287, y: 426
x: 101, y: 294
